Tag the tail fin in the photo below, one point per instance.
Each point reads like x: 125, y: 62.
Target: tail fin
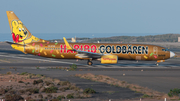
x: 20, y: 33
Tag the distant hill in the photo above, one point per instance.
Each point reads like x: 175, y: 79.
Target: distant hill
x: 68, y: 39
x: 127, y: 39
x: 150, y: 38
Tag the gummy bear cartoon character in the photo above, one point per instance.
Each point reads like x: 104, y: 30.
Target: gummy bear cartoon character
x: 19, y: 33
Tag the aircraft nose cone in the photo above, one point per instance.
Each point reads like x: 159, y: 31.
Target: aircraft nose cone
x: 172, y: 54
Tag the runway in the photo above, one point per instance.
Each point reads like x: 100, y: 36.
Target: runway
x: 11, y: 57
x: 161, y: 78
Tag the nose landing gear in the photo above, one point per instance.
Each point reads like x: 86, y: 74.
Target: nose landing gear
x: 158, y: 61
x: 157, y: 64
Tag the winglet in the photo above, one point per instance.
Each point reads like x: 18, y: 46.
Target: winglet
x: 67, y: 44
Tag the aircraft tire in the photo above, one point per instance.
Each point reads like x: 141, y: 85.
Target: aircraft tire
x: 157, y: 64
x: 89, y: 63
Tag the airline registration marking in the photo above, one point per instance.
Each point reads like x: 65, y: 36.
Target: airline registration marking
x: 51, y: 46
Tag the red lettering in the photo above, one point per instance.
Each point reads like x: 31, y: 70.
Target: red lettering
x: 81, y: 48
x: 69, y: 51
x: 64, y: 48
x: 76, y: 47
x: 86, y: 47
x: 93, y: 48
x: 61, y: 46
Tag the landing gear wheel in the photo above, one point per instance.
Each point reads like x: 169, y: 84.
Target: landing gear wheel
x: 157, y: 64
x: 89, y: 62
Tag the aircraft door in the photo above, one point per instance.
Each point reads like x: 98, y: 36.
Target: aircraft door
x: 36, y: 48
x: 155, y: 50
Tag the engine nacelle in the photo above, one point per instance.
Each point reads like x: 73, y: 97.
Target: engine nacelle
x: 109, y: 59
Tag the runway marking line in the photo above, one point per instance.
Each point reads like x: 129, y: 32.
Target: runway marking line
x: 5, y: 61
x: 39, y: 59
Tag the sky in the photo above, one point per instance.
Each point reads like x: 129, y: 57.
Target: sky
x: 93, y: 18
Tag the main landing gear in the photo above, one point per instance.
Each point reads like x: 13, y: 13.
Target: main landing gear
x: 89, y: 62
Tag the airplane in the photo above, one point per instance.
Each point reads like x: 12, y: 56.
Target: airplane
x: 107, y: 53
x: 73, y: 39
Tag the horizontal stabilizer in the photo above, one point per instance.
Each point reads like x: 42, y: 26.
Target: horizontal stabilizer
x: 12, y: 43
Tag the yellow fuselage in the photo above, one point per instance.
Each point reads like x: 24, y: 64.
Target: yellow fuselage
x: 123, y: 51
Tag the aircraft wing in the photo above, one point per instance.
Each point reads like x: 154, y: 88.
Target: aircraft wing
x: 82, y: 54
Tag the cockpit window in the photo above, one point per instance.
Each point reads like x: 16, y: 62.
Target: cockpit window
x: 165, y: 50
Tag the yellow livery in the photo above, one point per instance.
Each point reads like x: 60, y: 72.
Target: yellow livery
x: 107, y: 53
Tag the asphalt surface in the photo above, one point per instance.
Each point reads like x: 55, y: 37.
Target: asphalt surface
x: 161, y: 78
x: 104, y: 91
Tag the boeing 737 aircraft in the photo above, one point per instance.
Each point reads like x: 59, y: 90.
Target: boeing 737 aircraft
x: 107, y: 53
